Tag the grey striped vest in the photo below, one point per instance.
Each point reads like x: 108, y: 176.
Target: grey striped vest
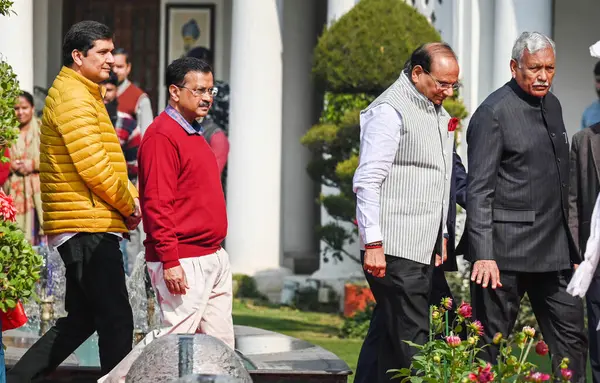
x: 416, y: 192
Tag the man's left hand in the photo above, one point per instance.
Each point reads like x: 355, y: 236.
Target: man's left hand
x: 439, y: 260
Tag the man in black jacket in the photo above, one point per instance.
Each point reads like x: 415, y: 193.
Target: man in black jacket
x: 583, y: 191
x: 517, y: 193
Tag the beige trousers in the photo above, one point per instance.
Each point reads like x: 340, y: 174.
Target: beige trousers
x: 205, y: 308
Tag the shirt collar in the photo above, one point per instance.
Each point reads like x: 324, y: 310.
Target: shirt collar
x: 193, y: 128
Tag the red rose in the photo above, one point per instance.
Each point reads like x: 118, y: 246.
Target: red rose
x: 452, y: 124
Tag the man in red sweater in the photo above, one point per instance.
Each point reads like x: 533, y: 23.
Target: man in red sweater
x: 184, y: 214
x: 184, y: 208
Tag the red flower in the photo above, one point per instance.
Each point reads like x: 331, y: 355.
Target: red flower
x: 566, y: 374
x: 355, y: 222
x: 7, y: 209
x: 541, y: 348
x: 453, y: 341
x: 452, y: 124
x: 537, y: 377
x: 465, y: 310
x: 477, y: 327
x: 484, y: 375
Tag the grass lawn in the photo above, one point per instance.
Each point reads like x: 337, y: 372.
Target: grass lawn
x: 316, y: 328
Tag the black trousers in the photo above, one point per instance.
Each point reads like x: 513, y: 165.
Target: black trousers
x: 401, y: 313
x: 96, y: 300
x: 559, y: 314
x: 593, y: 313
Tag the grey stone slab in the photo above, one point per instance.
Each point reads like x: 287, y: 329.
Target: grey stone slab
x: 171, y: 356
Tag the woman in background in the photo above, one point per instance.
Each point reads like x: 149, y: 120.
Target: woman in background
x: 23, y: 183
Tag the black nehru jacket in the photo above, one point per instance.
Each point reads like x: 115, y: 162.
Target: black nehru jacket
x: 517, y: 193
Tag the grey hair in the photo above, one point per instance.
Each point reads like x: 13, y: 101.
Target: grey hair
x: 533, y: 42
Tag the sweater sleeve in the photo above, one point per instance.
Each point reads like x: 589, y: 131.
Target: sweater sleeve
x: 158, y: 168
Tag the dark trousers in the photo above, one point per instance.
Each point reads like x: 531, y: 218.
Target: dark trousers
x: 401, y: 313
x: 559, y: 314
x: 96, y: 300
x: 593, y: 312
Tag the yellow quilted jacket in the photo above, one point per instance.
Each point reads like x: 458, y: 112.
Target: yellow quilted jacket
x: 83, y: 173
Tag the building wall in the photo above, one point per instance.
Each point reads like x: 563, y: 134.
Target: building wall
x: 576, y: 28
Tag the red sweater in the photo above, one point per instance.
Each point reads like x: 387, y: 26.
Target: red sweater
x: 182, y: 199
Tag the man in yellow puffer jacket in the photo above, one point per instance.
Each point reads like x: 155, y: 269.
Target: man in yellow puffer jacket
x: 88, y: 205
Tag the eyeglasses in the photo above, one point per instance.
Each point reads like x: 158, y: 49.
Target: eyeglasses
x: 212, y: 92
x: 444, y: 85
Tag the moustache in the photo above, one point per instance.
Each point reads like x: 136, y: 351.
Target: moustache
x: 204, y: 104
x: 541, y: 84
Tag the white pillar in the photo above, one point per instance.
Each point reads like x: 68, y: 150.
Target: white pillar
x: 300, y: 249
x: 514, y: 17
x: 337, y: 9
x: 254, y: 170
x: 16, y: 44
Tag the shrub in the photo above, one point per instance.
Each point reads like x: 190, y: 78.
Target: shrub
x: 448, y: 358
x: 19, y: 263
x: 363, y: 51
x: 357, y: 325
x: 244, y: 286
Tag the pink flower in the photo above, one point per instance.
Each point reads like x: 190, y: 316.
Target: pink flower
x: 541, y: 348
x: 537, y: 377
x: 7, y: 209
x: 566, y: 374
x: 477, y: 327
x: 453, y: 341
x: 447, y: 303
x: 355, y: 222
x: 465, y: 310
x: 484, y: 375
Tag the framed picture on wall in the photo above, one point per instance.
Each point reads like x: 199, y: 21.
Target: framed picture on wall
x: 190, y: 31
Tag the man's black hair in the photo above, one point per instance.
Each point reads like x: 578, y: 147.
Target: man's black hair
x: 122, y: 51
x: 202, y: 53
x: 112, y: 79
x: 82, y: 37
x: 597, y: 69
x: 422, y: 56
x: 177, y: 70
x: 27, y: 96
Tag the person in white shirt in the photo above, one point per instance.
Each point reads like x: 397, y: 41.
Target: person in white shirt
x: 402, y: 186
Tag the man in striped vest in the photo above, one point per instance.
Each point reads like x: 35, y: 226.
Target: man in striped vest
x: 402, y: 185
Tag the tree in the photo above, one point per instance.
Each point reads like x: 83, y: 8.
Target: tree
x: 356, y: 59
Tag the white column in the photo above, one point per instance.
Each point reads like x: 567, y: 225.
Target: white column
x: 337, y: 9
x: 254, y: 170
x: 514, y: 17
x: 300, y: 249
x: 16, y: 44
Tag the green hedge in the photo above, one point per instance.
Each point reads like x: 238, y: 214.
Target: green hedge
x: 364, y: 51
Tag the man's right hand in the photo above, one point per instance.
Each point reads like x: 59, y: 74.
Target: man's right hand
x: 175, y: 280
x: 134, y: 219
x: 374, y: 262
x: 484, y: 271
